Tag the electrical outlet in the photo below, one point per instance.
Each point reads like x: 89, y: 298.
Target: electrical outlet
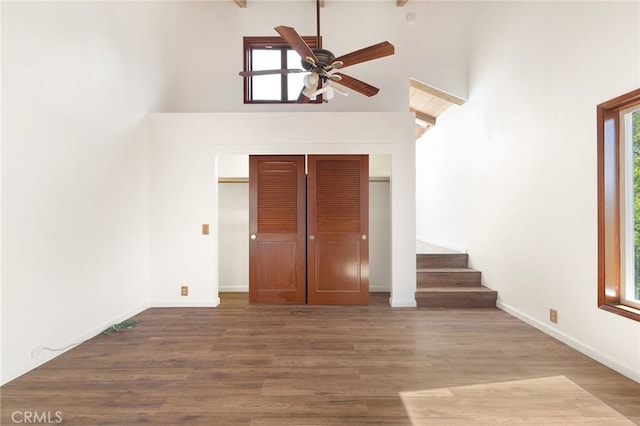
x: 553, y: 316
x: 37, y: 351
x: 184, y: 290
x: 205, y: 229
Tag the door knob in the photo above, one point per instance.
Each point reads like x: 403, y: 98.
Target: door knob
x: 253, y: 236
x: 364, y: 236
x: 312, y: 237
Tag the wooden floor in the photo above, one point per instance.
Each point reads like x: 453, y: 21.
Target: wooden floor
x: 299, y: 365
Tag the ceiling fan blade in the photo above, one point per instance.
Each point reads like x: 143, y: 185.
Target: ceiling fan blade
x: 376, y: 51
x: 296, y: 42
x: 355, y: 84
x: 269, y: 72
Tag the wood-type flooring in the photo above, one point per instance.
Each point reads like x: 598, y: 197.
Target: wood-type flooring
x: 242, y: 364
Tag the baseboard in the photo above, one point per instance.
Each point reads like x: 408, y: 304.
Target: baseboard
x: 442, y: 244
x: 49, y: 355
x: 233, y: 288
x: 570, y: 341
x: 196, y: 303
x: 402, y: 303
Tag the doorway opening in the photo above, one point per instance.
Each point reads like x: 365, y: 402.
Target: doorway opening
x: 233, y: 223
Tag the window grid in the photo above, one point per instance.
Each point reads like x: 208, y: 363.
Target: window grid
x: 272, y: 43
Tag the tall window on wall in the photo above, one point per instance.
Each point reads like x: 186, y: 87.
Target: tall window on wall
x: 272, y: 53
x: 630, y: 134
x: 618, y: 122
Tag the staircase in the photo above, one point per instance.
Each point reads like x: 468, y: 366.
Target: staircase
x: 445, y: 281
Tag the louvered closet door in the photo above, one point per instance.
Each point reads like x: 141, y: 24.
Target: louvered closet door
x: 277, y: 227
x: 338, y: 229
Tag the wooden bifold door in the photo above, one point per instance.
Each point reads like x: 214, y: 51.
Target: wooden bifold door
x: 309, y: 232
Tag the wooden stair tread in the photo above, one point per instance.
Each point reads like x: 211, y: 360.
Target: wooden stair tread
x: 456, y: 270
x: 444, y: 255
x: 454, y: 289
x: 442, y: 260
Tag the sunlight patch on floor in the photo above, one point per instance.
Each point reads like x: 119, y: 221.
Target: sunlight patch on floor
x: 544, y: 401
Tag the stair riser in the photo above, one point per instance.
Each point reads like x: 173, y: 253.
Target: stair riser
x: 442, y: 279
x: 456, y: 300
x: 449, y: 260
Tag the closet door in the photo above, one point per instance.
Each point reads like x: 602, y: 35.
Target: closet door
x: 277, y: 228
x: 338, y: 229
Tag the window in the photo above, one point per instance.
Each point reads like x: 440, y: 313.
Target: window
x: 630, y: 135
x: 618, y: 124
x: 266, y: 53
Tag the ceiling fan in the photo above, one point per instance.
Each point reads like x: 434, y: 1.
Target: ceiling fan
x: 322, y: 65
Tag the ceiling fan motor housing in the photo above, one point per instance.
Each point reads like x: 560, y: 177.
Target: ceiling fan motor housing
x: 325, y: 58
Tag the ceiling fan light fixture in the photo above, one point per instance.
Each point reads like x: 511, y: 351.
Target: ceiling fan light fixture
x: 310, y: 80
x: 342, y: 92
x: 324, y: 56
x: 309, y: 92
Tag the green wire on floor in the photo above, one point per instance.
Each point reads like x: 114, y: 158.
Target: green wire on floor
x: 119, y: 326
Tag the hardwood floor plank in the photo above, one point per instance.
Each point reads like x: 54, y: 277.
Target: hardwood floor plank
x: 242, y: 364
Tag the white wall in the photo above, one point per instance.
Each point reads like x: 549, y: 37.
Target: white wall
x: 511, y: 175
x: 233, y: 225
x: 184, y: 194
x: 77, y: 82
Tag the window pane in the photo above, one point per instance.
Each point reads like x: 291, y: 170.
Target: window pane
x: 265, y: 87
x: 294, y: 81
x: 265, y: 59
x: 293, y: 59
x: 630, y: 208
x: 635, y: 132
x: 294, y: 85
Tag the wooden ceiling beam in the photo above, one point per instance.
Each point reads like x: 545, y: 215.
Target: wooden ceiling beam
x: 416, y: 84
x: 401, y: 3
x: 424, y: 117
x: 241, y: 3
